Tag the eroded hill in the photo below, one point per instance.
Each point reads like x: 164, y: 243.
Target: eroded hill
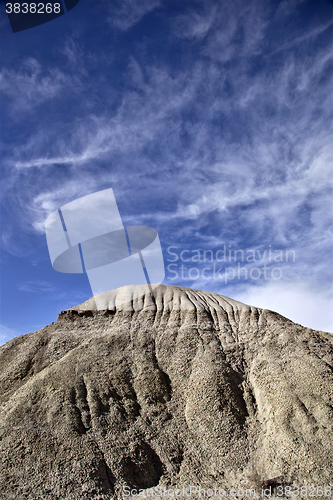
x: 180, y: 387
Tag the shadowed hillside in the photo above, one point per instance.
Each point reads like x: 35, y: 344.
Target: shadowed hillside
x: 180, y: 387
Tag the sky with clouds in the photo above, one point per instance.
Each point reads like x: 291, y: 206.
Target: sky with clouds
x: 210, y: 120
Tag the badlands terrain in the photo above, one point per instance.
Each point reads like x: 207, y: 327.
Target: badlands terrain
x: 176, y: 388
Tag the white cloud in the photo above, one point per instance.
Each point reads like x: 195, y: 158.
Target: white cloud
x: 196, y: 25
x: 312, y: 309
x: 236, y: 141
x: 6, y: 333
x: 29, y: 87
x: 126, y: 13
x: 46, y: 202
x: 36, y: 286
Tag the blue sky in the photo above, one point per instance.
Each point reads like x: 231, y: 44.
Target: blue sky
x: 212, y: 123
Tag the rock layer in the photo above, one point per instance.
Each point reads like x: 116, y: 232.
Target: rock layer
x: 180, y: 387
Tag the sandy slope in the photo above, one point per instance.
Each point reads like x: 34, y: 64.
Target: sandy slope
x: 179, y: 387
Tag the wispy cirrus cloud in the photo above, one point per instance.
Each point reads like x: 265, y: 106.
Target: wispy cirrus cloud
x: 219, y: 134
x: 36, y: 286
x: 279, y: 165
x: 30, y: 87
x: 126, y: 13
x: 8, y: 333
